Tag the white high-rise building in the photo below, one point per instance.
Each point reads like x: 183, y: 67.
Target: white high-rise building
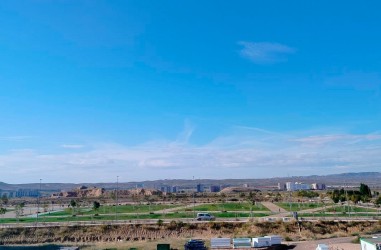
x: 294, y: 186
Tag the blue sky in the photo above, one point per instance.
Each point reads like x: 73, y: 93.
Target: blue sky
x: 91, y: 90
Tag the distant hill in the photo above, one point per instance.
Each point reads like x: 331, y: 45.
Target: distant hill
x: 372, y: 179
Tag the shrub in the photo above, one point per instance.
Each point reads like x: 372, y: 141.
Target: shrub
x: 160, y: 223
x: 287, y: 238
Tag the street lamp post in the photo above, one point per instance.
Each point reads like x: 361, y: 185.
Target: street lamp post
x: 194, y: 201
x: 38, y: 202
x: 116, y: 196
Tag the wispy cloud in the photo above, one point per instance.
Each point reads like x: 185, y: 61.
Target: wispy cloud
x: 238, y: 155
x: 338, y: 138
x: 72, y: 146
x: 265, y: 52
x: 15, y: 138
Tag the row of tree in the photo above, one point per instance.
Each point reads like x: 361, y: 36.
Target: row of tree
x: 364, y: 194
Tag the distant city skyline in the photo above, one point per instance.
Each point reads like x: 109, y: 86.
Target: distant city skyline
x: 145, y: 90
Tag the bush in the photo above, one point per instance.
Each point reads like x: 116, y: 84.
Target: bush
x: 160, y: 223
x: 215, y: 226
x: 191, y: 226
x: 173, y: 225
x: 287, y: 238
x: 356, y: 240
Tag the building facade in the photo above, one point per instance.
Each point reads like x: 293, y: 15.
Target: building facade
x: 297, y: 186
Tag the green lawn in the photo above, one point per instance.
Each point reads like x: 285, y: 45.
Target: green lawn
x: 111, y: 210
x: 340, y: 209
x: 178, y: 215
x: 240, y: 214
x: 58, y: 213
x: 336, y: 215
x: 244, y: 206
x: 296, y: 206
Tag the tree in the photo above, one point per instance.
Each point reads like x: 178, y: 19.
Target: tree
x: 113, y: 195
x: 365, y: 190
x: 96, y: 205
x: 4, y: 199
x: 307, y: 193
x: 355, y: 198
x: 3, y: 210
x: 45, y: 207
x: 73, y: 203
x: 378, y: 200
x: 19, y: 210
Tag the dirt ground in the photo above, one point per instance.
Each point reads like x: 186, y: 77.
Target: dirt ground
x: 343, y: 243
x: 150, y: 245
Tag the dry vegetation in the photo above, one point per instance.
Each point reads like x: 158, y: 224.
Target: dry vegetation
x: 175, y: 231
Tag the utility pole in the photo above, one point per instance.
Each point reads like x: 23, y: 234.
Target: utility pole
x: 346, y: 197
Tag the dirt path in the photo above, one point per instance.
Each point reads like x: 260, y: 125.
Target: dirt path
x: 174, y: 209
x: 280, y: 212
x: 274, y: 208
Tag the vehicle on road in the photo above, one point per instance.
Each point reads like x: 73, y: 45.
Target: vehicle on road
x: 204, y: 216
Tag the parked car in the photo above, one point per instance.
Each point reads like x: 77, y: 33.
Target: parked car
x: 205, y: 216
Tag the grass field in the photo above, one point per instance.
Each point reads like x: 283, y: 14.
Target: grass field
x: 245, y: 206
x: 338, y: 215
x: 295, y: 206
x: 175, y: 215
x: 341, y: 209
x: 111, y: 210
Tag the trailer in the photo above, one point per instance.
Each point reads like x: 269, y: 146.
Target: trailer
x: 241, y: 243
x: 274, y: 239
x: 220, y: 243
x: 261, y: 242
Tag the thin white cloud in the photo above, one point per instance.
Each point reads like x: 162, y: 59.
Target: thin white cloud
x: 15, y: 138
x: 72, y: 146
x: 184, y: 136
x: 230, y: 156
x: 265, y: 52
x: 348, y: 139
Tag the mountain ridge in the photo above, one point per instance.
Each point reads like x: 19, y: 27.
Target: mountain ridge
x: 351, y: 178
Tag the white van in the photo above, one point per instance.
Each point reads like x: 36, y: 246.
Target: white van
x: 205, y: 216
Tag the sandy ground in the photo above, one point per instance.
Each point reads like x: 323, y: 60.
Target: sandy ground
x: 30, y: 210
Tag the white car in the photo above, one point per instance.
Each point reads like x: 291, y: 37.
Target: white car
x: 205, y: 216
